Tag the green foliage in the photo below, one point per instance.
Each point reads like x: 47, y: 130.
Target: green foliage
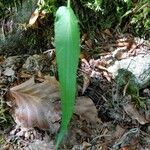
x: 9, y: 4
x: 2, y: 115
x: 129, y: 15
x: 136, y: 14
x: 67, y: 41
x: 141, y: 20
x: 6, y: 5
x: 2, y: 141
x: 96, y: 5
x: 139, y: 101
x: 102, y: 13
x: 126, y: 77
x: 5, y: 119
x: 49, y: 6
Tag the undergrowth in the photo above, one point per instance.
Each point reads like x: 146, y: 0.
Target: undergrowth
x: 128, y: 83
x: 5, y: 122
x: 127, y: 15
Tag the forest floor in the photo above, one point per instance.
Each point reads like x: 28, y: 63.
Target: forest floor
x: 112, y: 111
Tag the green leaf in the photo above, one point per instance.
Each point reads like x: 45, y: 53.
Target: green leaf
x: 67, y: 41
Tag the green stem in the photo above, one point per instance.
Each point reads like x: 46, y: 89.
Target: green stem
x: 68, y: 4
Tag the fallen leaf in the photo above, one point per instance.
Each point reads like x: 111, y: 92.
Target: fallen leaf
x: 119, y: 131
x: 34, y: 17
x: 129, y: 139
x: 2, y: 59
x: 34, y: 104
x: 120, y: 55
x: 85, y: 145
x: 1, y: 70
x: 107, y: 75
x: 126, y: 148
x: 38, y: 105
x: 42, y: 14
x: 107, y: 31
x: 84, y: 37
x: 86, y: 109
x: 89, y: 43
x: 86, y: 82
x: 131, y: 110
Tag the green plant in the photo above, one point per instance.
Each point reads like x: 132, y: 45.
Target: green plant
x: 126, y: 77
x: 2, y: 141
x: 96, y: 5
x: 48, y: 6
x: 126, y: 80
x: 67, y: 41
x: 140, y: 20
x: 7, y: 5
x: 5, y: 118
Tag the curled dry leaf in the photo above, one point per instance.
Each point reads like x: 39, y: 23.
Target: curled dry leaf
x: 86, y: 82
x: 35, y: 104
x: 34, y: 17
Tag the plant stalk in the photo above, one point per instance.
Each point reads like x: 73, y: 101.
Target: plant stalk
x: 68, y: 3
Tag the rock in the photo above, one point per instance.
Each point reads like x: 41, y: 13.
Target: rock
x: 9, y: 72
x: 35, y: 63
x: 41, y: 145
x: 139, y: 65
x: 14, y: 62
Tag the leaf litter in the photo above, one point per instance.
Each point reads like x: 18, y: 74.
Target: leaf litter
x: 32, y: 107
x: 124, y: 125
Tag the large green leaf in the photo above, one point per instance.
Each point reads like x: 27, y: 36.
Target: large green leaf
x: 67, y: 41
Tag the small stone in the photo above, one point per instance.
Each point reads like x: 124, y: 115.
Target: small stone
x: 32, y: 137
x: 139, y: 65
x: 26, y: 135
x: 21, y: 133
x: 13, y: 132
x: 9, y: 72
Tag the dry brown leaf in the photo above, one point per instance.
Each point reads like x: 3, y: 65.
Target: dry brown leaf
x: 128, y: 148
x: 107, y: 75
x: 37, y: 105
x: 119, y: 131
x: 86, y: 82
x: 132, y: 144
x: 133, y: 112
x: 121, y: 55
x: 89, y: 43
x: 85, y: 145
x: 107, y: 31
x: 2, y: 59
x: 34, y: 104
x: 84, y: 37
x: 86, y: 109
x: 34, y: 17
